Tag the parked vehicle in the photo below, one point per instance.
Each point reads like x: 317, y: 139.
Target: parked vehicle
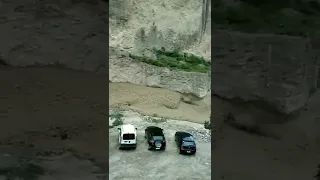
x: 127, y: 136
x: 155, y: 138
x: 185, y: 143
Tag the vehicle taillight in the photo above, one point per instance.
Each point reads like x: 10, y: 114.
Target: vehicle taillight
x: 181, y: 147
x: 151, y: 142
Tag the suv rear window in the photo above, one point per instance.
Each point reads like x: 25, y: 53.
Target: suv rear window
x: 188, y: 143
x: 160, y: 138
x: 128, y: 136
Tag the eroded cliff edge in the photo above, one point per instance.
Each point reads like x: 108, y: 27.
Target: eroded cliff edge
x: 278, y: 72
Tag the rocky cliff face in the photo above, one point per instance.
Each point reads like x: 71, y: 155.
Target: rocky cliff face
x: 69, y: 33
x: 183, y: 25
x: 124, y: 69
x: 279, y: 71
x: 174, y: 25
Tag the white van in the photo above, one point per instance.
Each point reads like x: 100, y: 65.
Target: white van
x: 127, y: 136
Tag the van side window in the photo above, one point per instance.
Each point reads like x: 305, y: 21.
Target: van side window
x: 128, y: 136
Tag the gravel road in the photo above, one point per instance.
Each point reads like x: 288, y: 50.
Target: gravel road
x: 140, y: 164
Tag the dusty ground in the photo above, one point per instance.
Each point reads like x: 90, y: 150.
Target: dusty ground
x: 142, y: 164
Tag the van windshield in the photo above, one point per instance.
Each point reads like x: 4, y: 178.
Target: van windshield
x: 128, y: 136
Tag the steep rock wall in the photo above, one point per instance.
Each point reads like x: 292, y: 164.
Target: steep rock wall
x: 182, y: 25
x: 179, y: 24
x: 124, y: 69
x: 279, y: 71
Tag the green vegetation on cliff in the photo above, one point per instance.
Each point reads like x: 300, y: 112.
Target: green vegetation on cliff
x: 176, y: 61
x: 286, y: 17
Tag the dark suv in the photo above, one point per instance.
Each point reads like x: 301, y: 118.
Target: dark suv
x: 185, y: 142
x: 155, y: 138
